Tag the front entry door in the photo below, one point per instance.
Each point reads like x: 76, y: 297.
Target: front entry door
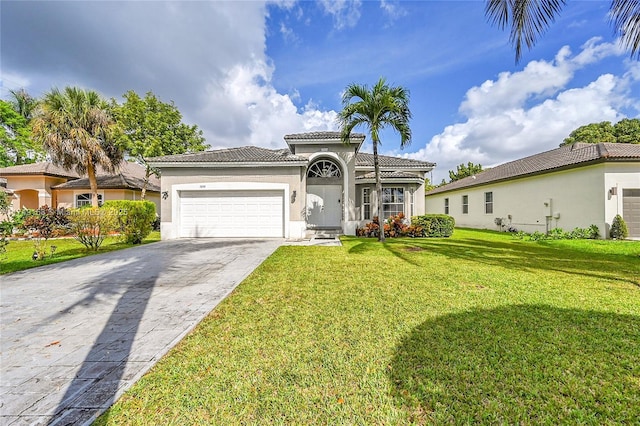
x: 324, y: 206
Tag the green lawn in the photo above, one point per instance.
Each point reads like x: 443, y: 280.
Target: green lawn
x: 18, y: 255
x: 477, y: 328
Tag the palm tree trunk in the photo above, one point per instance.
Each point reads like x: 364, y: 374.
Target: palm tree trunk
x: 376, y: 168
x: 93, y: 184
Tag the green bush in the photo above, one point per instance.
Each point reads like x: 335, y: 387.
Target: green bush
x: 90, y: 226
x: 434, y: 225
x: 618, y: 229
x: 135, y: 218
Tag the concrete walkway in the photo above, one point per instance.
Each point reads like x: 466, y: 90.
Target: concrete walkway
x: 76, y: 335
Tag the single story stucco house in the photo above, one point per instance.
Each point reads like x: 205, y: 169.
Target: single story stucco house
x: 568, y: 187
x: 318, y: 183
x: 39, y: 184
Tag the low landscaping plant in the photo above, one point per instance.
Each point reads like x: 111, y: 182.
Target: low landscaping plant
x: 135, y: 218
x: 43, y: 224
x: 432, y: 225
x: 590, y: 233
x: 618, y: 229
x: 90, y: 226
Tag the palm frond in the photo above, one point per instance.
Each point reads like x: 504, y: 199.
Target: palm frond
x: 625, y: 17
x: 527, y: 19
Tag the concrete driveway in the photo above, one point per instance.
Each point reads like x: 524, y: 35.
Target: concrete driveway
x: 76, y: 335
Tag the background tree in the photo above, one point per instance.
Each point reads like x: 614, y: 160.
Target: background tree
x: 15, y: 136
x: 153, y: 128
x: 376, y: 108
x: 23, y: 103
x: 78, y: 131
x: 527, y: 20
x: 463, y: 171
x: 625, y: 131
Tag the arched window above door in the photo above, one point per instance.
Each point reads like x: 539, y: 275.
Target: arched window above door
x: 324, y: 169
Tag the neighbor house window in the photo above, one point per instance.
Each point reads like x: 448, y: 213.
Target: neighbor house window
x: 366, y: 203
x: 392, y: 201
x: 488, y: 202
x: 446, y: 206
x: 465, y: 204
x: 85, y: 200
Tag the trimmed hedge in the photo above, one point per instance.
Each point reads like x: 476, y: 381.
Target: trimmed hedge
x: 135, y: 218
x: 434, y: 225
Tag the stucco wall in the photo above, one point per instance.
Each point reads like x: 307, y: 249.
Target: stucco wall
x: 290, y: 175
x: 577, y: 198
x: 620, y: 176
x: 24, y: 187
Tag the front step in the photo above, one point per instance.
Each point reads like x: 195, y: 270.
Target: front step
x: 323, y: 234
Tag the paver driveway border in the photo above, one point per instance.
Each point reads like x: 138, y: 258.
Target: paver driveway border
x: 76, y: 335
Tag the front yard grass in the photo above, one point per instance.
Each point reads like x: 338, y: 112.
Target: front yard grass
x: 476, y: 328
x: 19, y: 252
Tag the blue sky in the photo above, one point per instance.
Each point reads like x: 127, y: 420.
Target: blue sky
x: 248, y: 73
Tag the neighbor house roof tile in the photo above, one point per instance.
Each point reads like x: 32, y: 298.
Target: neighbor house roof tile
x: 41, y: 168
x: 321, y: 136
x: 545, y: 162
x: 129, y: 176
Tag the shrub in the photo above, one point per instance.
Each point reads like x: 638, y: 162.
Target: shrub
x: 135, y: 218
x: 90, y: 226
x: 434, y: 225
x: 592, y: 232
x: 43, y: 224
x: 618, y: 229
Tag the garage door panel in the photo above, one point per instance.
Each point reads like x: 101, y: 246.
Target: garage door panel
x: 631, y: 211
x: 232, y: 214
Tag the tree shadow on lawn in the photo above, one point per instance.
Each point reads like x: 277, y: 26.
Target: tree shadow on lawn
x: 520, y: 364
x: 517, y: 255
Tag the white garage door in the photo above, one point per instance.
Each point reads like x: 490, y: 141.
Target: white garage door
x: 231, y: 214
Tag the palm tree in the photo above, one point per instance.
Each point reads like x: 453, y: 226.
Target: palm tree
x: 23, y: 103
x: 376, y: 108
x: 77, y: 130
x: 528, y: 19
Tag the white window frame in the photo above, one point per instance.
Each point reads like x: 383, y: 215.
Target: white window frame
x: 87, y: 199
x: 465, y: 204
x: 488, y: 204
x: 366, y: 203
x: 392, y: 196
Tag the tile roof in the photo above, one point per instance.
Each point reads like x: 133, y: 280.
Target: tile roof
x: 41, y: 168
x: 249, y: 154
x: 320, y: 136
x: 233, y: 155
x: 390, y: 175
x: 366, y: 160
x: 130, y: 176
x: 561, y: 158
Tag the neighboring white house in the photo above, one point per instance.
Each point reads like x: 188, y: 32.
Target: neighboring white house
x: 568, y: 187
x: 319, y: 183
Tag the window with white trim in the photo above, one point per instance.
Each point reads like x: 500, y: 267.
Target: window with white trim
x: 85, y: 200
x: 366, y: 203
x: 488, y: 202
x: 446, y: 206
x: 465, y: 204
x: 392, y: 201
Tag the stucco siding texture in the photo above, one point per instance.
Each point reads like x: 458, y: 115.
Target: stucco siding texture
x: 576, y: 200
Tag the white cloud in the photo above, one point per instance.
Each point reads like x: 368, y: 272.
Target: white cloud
x: 393, y: 9
x: 530, y: 111
x: 345, y: 13
x: 245, y: 109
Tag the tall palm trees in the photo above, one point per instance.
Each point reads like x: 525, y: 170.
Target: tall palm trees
x: 528, y: 19
x: 76, y: 128
x: 376, y: 108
